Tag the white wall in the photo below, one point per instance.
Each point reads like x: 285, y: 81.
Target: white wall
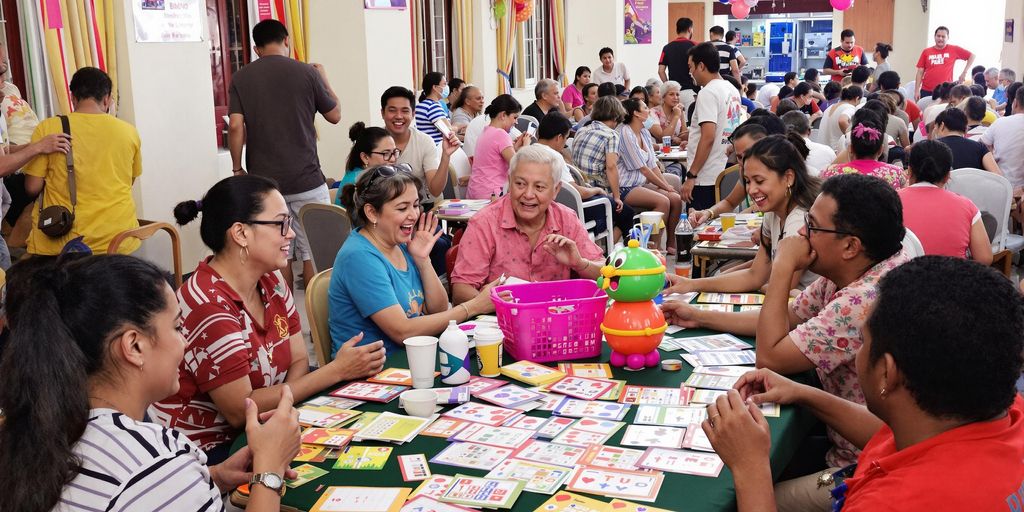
x: 1012, y: 55
x: 590, y: 26
x: 978, y: 28
x: 909, y: 37
x: 167, y: 93
x: 367, y: 53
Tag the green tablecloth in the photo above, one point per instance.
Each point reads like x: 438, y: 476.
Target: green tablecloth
x: 679, y: 492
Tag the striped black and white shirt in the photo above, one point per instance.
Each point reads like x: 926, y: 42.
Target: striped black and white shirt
x: 726, y: 54
x: 129, y: 465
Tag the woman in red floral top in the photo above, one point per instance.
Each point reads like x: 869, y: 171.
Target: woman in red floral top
x: 243, y: 334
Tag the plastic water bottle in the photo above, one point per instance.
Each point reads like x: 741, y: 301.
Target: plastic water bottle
x: 684, y: 242
x: 453, y: 354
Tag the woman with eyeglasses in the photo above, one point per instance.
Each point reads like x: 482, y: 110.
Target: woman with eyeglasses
x: 371, y: 146
x: 243, y: 335
x: 384, y: 284
x: 777, y: 181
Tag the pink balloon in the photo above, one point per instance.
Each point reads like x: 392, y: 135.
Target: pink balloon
x: 741, y: 10
x: 841, y: 5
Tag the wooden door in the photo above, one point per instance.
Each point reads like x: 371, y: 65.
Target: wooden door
x: 872, y: 22
x: 692, y: 10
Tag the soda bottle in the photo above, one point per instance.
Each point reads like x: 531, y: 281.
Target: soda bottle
x: 684, y: 242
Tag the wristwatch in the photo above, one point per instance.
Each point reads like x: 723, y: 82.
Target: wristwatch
x: 272, y: 481
x: 690, y: 175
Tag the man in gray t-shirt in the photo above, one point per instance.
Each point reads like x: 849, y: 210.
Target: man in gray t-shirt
x: 273, y: 102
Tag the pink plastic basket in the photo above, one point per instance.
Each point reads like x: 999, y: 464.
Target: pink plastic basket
x: 551, y: 321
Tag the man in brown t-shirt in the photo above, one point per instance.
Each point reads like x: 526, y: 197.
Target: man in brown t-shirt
x: 273, y: 102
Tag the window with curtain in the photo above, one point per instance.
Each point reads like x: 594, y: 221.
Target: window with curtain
x: 435, y: 36
x: 532, y: 61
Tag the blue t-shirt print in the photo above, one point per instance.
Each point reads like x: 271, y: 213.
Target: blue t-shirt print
x: 364, y: 282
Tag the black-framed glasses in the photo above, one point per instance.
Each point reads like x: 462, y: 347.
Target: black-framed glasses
x: 388, y: 154
x: 284, y: 223
x: 809, y: 227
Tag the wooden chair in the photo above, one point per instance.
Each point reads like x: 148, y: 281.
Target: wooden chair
x: 147, y: 229
x: 326, y: 227
x: 726, y: 181
x: 317, y: 309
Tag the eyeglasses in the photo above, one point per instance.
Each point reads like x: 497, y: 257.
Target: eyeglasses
x: 809, y: 227
x: 388, y: 154
x: 284, y: 223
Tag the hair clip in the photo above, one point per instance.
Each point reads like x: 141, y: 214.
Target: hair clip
x: 860, y: 130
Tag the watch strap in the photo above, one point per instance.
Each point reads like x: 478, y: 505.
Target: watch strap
x: 261, y: 479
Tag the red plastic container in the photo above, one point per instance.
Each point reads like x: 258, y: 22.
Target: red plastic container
x: 552, y: 321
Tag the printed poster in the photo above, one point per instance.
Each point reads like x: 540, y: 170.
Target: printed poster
x: 168, y: 21
x: 637, y: 22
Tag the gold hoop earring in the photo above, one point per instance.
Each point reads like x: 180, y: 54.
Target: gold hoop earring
x: 243, y: 254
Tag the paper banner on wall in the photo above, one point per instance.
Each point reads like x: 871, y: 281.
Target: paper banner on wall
x: 263, y: 11
x: 637, y: 21
x: 168, y: 21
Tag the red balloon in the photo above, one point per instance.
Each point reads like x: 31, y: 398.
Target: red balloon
x: 740, y: 10
x: 841, y: 5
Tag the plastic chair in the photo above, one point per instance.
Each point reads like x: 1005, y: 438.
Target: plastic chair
x: 523, y: 122
x: 459, y: 166
x: 912, y: 244
x: 570, y: 197
x: 326, y: 227
x: 991, y: 193
x: 318, y: 311
x: 1002, y: 260
x: 725, y: 182
x: 147, y: 229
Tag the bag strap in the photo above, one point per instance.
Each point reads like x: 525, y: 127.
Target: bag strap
x: 70, y: 159
x: 72, y: 188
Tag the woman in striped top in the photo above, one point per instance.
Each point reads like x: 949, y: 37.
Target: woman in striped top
x: 430, y: 110
x: 642, y: 185
x: 93, y: 343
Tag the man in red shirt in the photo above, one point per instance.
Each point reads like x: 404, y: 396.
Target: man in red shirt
x: 944, y: 426
x: 936, y: 64
x: 842, y: 60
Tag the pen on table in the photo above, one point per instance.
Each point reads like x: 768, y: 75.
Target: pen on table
x: 319, y: 488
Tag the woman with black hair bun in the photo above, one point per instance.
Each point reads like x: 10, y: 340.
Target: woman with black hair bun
x: 243, y: 333
x: 947, y: 224
x: 371, y: 146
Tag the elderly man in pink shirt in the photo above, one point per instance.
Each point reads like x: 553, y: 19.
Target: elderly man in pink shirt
x: 525, y: 234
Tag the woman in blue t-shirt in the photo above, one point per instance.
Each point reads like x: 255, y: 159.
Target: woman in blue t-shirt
x: 383, y: 284
x: 371, y: 146
x: 430, y: 110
